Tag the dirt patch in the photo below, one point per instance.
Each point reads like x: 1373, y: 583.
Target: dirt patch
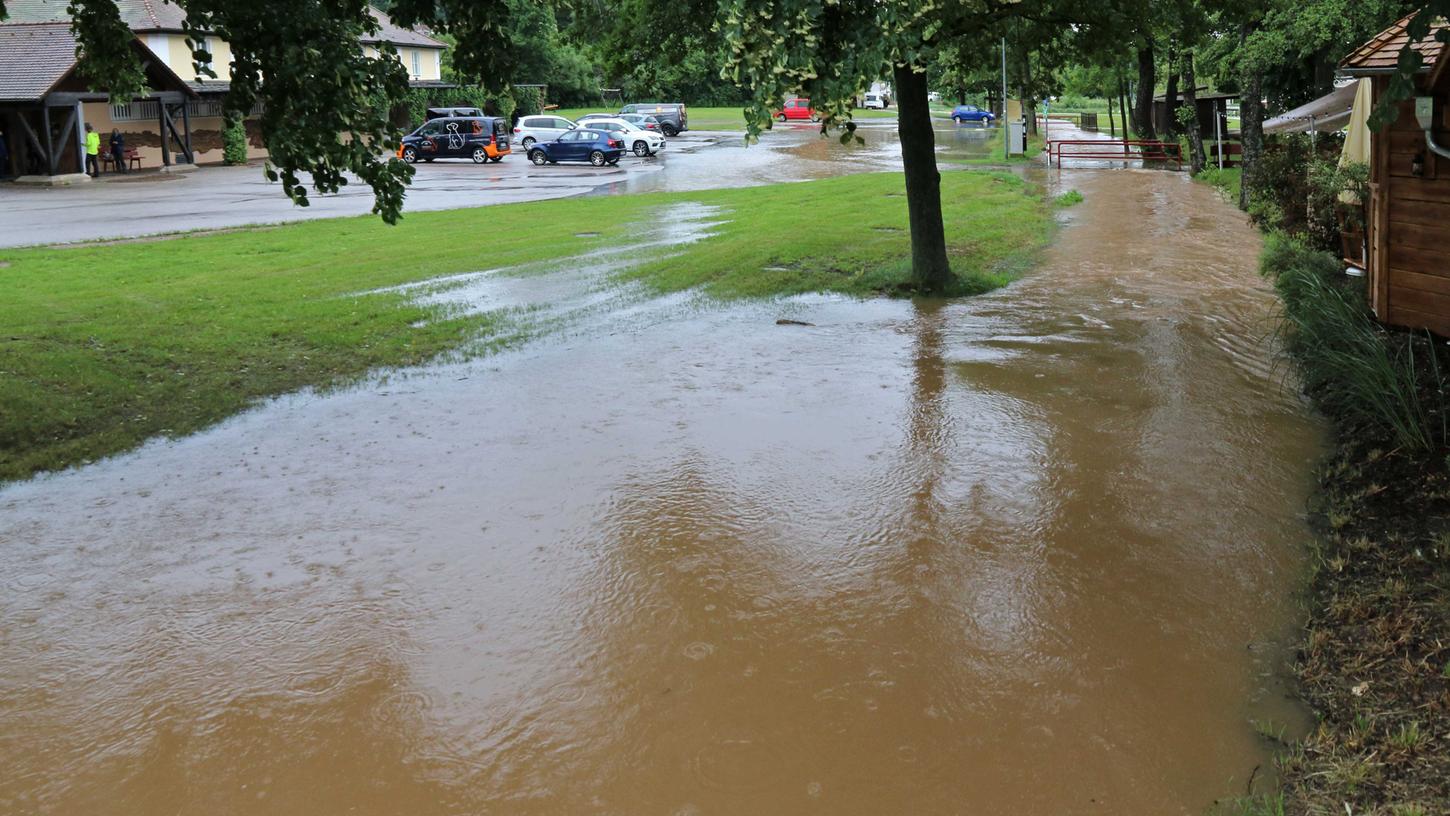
x: 1375, y: 663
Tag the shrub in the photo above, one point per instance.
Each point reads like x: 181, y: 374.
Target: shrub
x: 234, y: 141
x: 1359, y: 373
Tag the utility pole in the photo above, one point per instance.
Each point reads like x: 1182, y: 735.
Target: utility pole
x: 1006, y: 131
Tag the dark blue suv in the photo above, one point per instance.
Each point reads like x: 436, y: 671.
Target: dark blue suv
x: 597, y: 147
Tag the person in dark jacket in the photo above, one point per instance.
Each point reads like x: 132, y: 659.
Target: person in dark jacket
x: 118, y: 150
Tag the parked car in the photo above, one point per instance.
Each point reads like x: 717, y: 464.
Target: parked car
x: 874, y: 101
x: 481, y: 138
x: 642, y: 120
x: 972, y: 113
x: 636, y: 139
x: 541, y: 128
x: 796, y: 110
x: 597, y: 147
x: 672, y: 116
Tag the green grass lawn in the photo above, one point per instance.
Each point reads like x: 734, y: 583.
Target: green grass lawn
x: 1226, y: 180
x: 107, y: 345
x: 717, y: 118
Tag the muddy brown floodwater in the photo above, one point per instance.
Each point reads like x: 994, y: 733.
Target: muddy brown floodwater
x: 1027, y: 553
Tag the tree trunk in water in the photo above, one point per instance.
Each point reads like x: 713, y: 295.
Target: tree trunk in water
x: 1170, y: 95
x: 1123, y: 109
x: 1196, y: 159
x: 1143, y: 104
x: 1251, y: 129
x: 931, y: 273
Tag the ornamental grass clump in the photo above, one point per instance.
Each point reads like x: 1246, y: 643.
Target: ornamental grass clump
x: 1361, y: 374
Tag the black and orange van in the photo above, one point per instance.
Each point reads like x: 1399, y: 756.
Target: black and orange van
x: 481, y: 138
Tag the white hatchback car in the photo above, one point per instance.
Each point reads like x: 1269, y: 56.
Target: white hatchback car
x: 637, y: 140
x: 540, y: 128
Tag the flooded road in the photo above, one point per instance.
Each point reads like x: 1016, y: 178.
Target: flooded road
x: 1027, y: 553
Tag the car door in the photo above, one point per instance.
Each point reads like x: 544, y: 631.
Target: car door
x: 566, y: 147
x: 428, y: 139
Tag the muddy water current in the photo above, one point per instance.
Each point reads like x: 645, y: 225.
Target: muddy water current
x: 1027, y: 553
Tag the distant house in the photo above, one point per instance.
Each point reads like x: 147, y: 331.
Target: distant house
x: 38, y: 85
x: 1408, y: 218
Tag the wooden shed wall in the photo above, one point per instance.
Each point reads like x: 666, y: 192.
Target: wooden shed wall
x: 1410, y: 222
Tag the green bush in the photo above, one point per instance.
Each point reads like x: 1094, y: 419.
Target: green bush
x: 1361, y: 374
x: 234, y: 141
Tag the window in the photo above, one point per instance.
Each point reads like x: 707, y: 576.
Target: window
x: 417, y: 64
x: 563, y: 124
x: 204, y: 44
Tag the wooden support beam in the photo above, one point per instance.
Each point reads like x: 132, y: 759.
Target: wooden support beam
x: 165, y: 148
x: 31, y: 137
x: 50, y: 161
x: 186, y: 132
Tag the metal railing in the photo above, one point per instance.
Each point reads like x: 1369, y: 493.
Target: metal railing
x: 1115, y: 150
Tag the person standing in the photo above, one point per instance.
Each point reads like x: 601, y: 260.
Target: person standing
x: 93, y: 152
x: 118, y: 150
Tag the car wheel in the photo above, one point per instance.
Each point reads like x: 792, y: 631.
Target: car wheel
x: 780, y: 117
x: 597, y: 158
x: 538, y: 158
x: 410, y: 155
x: 479, y: 156
x: 670, y: 130
x: 641, y: 149
x: 956, y: 120
x: 528, y: 142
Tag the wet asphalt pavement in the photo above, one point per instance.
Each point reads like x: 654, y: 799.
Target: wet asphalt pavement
x: 226, y: 197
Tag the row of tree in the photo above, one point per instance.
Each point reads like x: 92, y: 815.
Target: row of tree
x: 320, y: 83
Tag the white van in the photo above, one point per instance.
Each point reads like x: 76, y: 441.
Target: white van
x: 874, y: 101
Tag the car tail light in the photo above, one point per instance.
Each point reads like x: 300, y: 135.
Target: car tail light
x: 516, y: 130
x: 615, y: 143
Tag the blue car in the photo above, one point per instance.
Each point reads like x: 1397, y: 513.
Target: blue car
x: 972, y: 113
x: 598, y: 147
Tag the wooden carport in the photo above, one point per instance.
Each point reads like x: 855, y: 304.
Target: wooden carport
x: 41, y: 98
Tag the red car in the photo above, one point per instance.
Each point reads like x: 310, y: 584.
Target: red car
x: 796, y: 110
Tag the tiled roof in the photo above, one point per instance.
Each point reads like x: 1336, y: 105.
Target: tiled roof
x: 33, y: 58
x: 161, y: 15
x: 140, y: 15
x: 391, y: 32
x: 1383, y: 52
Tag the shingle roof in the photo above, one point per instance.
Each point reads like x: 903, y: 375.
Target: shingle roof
x: 1383, y: 52
x: 391, y: 32
x: 162, y: 15
x: 33, y: 58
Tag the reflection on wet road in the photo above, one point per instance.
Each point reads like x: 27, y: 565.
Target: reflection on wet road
x: 1025, y: 553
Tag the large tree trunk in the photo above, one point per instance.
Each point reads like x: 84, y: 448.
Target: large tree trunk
x: 1251, y: 129
x: 1196, y: 158
x: 1112, y: 126
x: 1123, y: 104
x: 1143, y: 104
x: 1169, y: 125
x: 931, y: 273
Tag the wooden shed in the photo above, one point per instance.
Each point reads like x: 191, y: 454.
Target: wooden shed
x: 1408, y: 218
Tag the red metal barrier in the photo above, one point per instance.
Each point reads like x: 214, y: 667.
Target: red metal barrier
x: 1116, y: 150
